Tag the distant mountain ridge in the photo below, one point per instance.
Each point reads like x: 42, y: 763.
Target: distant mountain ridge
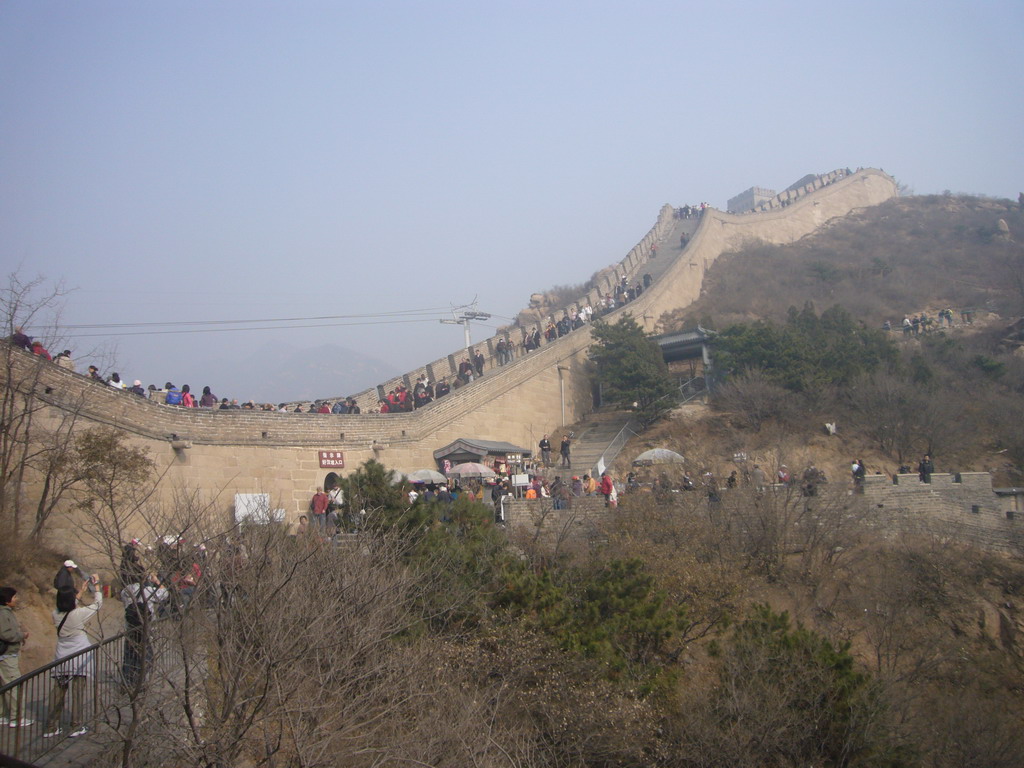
x: 276, y: 374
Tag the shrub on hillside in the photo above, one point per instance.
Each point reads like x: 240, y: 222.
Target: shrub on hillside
x: 784, y: 696
x: 808, y: 353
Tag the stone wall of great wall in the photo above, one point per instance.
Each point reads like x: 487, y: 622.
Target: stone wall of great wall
x: 728, y: 232
x: 723, y: 232
x: 228, y: 452
x: 446, y: 367
x: 960, y: 508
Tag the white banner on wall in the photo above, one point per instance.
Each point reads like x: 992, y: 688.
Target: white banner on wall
x: 255, y: 508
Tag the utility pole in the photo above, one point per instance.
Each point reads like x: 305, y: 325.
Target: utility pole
x: 464, y: 318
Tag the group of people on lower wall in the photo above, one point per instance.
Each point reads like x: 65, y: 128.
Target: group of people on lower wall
x: 495, y: 478
x: 562, y: 492
x: 808, y: 481
x: 328, y: 515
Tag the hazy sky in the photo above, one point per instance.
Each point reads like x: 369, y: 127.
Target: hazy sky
x: 195, y: 161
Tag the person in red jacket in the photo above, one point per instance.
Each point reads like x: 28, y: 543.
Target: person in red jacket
x: 318, y: 506
x: 607, y: 487
x: 39, y: 349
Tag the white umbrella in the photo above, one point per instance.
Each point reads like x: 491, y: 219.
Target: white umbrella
x: 471, y: 469
x: 658, y: 456
x: 427, y: 476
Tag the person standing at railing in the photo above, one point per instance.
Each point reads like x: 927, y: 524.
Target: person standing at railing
x: 11, y: 638
x: 71, y: 620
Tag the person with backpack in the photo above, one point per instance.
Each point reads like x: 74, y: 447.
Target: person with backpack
x: 141, y: 599
x: 858, y: 472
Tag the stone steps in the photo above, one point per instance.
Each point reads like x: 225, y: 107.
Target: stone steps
x: 591, y: 441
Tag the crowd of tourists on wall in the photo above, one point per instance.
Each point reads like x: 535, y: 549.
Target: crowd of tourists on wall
x: 690, y: 211
x: 397, y: 400
x: 328, y: 514
x: 169, y: 394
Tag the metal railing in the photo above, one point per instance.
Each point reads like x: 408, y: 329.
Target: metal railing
x: 616, y: 445
x: 44, y: 701
x: 686, y: 391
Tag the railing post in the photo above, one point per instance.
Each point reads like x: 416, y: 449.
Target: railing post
x: 19, y: 711
x: 95, y: 683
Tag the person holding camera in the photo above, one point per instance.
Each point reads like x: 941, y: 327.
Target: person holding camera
x: 71, y: 619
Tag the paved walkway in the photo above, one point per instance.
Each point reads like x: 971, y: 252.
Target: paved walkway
x: 668, y: 249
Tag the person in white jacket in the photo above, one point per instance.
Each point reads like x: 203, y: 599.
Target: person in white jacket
x: 71, y: 619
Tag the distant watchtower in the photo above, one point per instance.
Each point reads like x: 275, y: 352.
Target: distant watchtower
x: 749, y: 200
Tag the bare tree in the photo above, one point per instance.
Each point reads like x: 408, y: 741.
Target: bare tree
x: 21, y: 303
x: 754, y: 399
x: 889, y: 410
x: 276, y: 650
x: 56, y: 465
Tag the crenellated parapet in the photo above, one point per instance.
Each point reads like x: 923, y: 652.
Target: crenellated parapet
x: 960, y: 508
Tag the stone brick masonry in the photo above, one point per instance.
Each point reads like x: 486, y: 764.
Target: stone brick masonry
x: 960, y: 507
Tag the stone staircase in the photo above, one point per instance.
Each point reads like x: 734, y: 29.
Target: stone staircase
x: 668, y: 249
x: 594, y: 437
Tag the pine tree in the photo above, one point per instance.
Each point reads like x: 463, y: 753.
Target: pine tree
x: 630, y: 365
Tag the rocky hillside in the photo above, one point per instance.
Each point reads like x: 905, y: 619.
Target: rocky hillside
x: 910, y: 257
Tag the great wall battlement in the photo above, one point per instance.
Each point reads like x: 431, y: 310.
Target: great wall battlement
x: 961, y: 509
x: 228, y: 452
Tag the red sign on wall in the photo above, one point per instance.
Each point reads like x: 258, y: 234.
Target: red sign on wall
x: 332, y: 460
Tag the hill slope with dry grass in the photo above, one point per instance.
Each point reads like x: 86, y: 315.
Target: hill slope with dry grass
x: 905, y: 256
x: 962, y: 387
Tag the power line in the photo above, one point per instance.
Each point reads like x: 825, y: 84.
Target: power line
x: 397, y: 313
x: 253, y: 328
